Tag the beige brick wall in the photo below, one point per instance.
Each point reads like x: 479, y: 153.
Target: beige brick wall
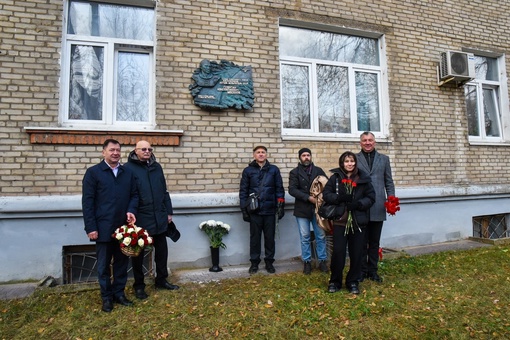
x: 428, y: 130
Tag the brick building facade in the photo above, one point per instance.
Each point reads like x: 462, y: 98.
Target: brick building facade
x: 438, y: 164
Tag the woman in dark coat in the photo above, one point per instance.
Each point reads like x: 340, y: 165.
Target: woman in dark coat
x: 350, y: 189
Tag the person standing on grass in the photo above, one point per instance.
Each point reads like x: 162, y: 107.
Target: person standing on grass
x: 378, y: 167
x: 262, y: 179
x: 109, y: 200
x: 350, y: 188
x: 300, y: 180
x: 154, y: 213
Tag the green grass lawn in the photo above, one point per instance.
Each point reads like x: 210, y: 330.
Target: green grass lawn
x: 450, y: 295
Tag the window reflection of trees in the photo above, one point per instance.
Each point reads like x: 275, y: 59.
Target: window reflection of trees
x: 304, y: 43
x: 295, y: 97
x: 86, y: 82
x: 111, y: 21
x: 367, y: 101
x: 132, y: 87
x: 329, y: 51
x: 87, y: 62
x: 333, y: 99
x: 472, y: 110
x: 484, y: 115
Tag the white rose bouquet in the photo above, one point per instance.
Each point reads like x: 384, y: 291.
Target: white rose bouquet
x: 132, y: 239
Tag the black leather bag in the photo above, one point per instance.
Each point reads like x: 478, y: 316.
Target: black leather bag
x: 331, y: 211
x: 172, y: 232
x: 253, y: 203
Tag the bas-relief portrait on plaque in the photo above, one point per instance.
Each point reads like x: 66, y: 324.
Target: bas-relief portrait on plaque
x: 223, y: 85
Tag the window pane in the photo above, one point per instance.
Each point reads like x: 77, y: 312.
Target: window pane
x: 367, y: 101
x: 86, y: 82
x: 333, y: 97
x: 486, y: 68
x: 304, y: 43
x: 112, y: 21
x: 295, y: 97
x: 491, y: 113
x: 472, y: 110
x: 133, y: 72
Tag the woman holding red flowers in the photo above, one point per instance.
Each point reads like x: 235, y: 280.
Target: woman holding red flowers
x: 351, y: 189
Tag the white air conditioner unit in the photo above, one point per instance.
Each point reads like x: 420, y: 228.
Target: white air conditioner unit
x: 458, y: 66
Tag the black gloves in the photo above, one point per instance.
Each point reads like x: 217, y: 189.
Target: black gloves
x: 354, y: 205
x: 344, y: 198
x: 246, y: 216
x: 281, y: 210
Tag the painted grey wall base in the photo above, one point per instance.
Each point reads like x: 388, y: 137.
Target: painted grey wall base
x: 34, y: 230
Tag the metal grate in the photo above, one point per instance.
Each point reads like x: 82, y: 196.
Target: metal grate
x: 490, y: 227
x: 79, y: 264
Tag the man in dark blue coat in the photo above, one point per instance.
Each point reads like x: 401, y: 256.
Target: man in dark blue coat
x: 264, y: 181
x: 109, y: 200
x: 154, y: 213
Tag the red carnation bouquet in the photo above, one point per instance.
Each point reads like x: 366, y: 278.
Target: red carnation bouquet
x: 349, y: 188
x: 392, y: 205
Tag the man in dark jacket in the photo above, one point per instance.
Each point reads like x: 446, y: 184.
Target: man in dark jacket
x: 264, y: 181
x: 154, y: 213
x: 300, y: 179
x: 109, y: 200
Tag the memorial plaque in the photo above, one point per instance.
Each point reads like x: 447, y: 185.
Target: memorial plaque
x: 218, y: 86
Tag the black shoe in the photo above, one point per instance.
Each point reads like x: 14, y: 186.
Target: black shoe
x: 123, y: 300
x: 363, y: 277
x: 253, y: 269
x: 307, y: 269
x: 374, y: 277
x: 270, y: 268
x: 353, y: 288
x: 333, y: 288
x: 107, y: 306
x: 166, y: 285
x: 141, y: 294
x: 323, y: 266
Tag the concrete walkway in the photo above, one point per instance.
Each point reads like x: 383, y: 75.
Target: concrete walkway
x: 20, y: 290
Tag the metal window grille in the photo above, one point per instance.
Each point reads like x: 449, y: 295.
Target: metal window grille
x: 79, y: 264
x: 490, y: 227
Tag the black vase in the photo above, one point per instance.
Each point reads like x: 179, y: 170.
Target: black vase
x: 215, y: 257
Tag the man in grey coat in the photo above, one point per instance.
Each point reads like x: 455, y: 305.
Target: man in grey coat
x: 378, y: 166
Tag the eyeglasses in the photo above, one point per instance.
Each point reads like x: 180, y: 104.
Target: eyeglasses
x: 146, y: 149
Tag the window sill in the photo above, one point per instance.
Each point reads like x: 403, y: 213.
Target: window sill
x: 48, y: 135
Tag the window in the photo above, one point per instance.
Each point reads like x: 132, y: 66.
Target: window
x: 108, y: 66
x: 331, y: 84
x: 483, y: 101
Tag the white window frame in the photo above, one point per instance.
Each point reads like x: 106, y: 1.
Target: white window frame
x: 503, y: 106
x: 380, y: 71
x: 112, y: 46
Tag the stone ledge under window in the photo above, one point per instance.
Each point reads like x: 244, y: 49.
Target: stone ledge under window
x: 97, y: 137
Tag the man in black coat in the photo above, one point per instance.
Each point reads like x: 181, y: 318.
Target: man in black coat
x: 262, y: 179
x: 154, y: 214
x: 300, y: 180
x: 109, y: 200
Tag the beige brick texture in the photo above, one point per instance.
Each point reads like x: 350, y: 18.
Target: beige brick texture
x: 428, y: 142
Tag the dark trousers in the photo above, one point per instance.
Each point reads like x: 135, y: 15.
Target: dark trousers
x: 105, y: 252
x: 160, y: 259
x: 370, y: 256
x: 262, y: 224
x: 338, y: 257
